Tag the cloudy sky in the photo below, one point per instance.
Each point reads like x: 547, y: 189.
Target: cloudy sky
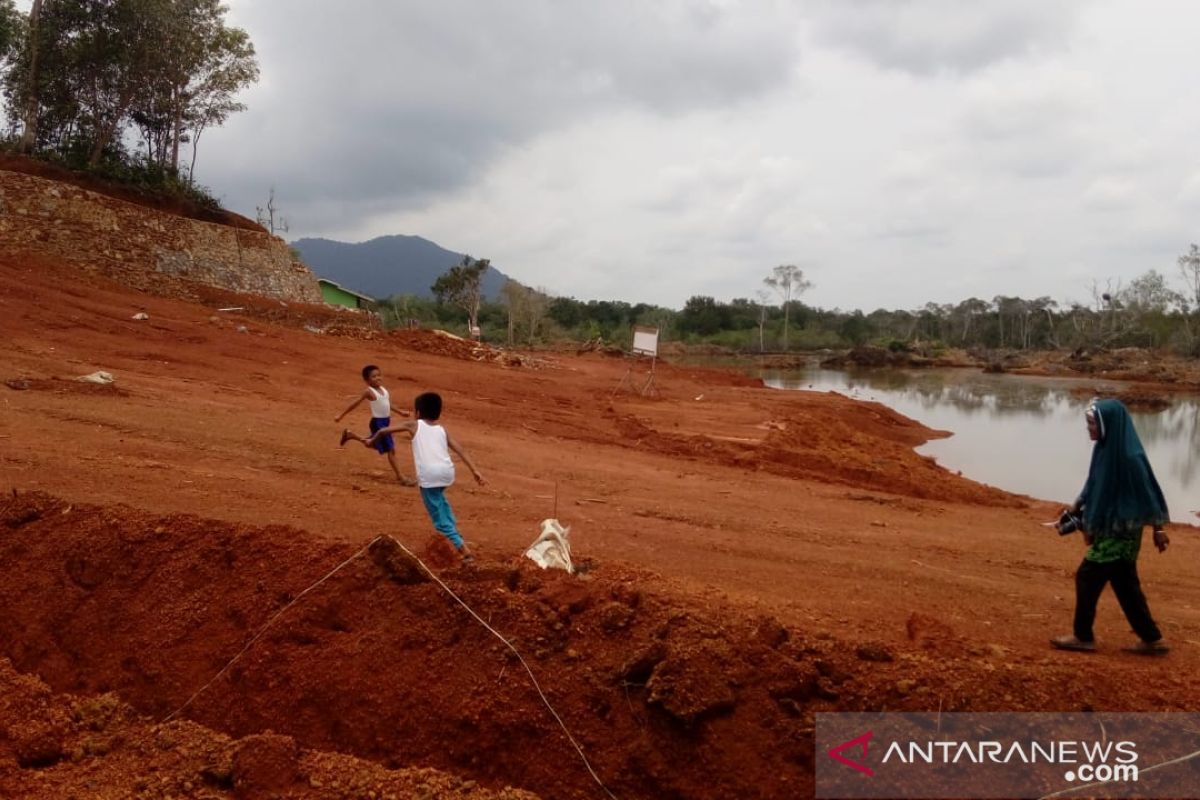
x: 900, y: 151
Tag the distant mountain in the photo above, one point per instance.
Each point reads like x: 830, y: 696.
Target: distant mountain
x: 388, y: 265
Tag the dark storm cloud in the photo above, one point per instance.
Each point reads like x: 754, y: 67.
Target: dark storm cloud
x: 369, y: 103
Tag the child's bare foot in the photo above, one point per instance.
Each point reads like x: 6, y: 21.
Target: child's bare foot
x: 345, y: 437
x: 407, y: 481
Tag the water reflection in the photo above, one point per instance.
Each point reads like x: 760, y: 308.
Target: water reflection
x: 1020, y: 433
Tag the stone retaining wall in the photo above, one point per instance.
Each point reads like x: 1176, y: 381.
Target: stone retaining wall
x: 142, y: 247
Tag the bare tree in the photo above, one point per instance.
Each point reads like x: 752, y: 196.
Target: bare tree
x: 763, y: 297
x: 512, y: 293
x: 268, y: 219
x: 1189, y: 268
x: 788, y: 282
x: 29, y: 134
x: 970, y: 309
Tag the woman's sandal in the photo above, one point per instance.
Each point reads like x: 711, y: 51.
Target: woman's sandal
x: 1073, y: 644
x: 1144, y: 648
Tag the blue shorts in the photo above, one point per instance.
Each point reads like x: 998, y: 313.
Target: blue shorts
x: 384, y: 444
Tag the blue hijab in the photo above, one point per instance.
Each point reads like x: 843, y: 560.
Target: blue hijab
x: 1121, y: 494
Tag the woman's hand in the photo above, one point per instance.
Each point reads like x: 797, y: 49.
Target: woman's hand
x: 1161, y: 540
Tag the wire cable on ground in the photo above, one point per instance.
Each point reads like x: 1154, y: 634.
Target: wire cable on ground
x: 520, y: 658
x: 448, y: 591
x: 263, y: 629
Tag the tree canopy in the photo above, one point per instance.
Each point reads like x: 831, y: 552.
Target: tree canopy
x: 1149, y: 312
x: 122, y: 83
x: 462, y: 286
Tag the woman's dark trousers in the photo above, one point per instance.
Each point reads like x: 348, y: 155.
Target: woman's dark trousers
x: 1090, y: 579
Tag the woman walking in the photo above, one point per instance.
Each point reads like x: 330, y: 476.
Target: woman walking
x: 1119, y: 498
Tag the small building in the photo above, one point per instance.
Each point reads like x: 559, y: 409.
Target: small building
x: 336, y: 295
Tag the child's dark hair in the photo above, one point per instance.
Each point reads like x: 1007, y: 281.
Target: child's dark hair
x: 368, y: 369
x: 428, y: 406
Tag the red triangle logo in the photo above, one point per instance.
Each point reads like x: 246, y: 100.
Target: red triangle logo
x: 858, y: 741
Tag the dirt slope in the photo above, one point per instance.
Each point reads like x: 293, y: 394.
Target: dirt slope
x: 719, y: 504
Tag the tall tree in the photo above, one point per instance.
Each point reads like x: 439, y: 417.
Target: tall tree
x: 788, y: 282
x: 526, y: 309
x: 1189, y: 268
x: 1149, y: 293
x: 969, y: 310
x: 763, y: 297
x: 462, y: 286
x: 230, y: 67
x: 29, y: 116
x: 12, y: 30
x: 90, y: 68
x: 204, y: 64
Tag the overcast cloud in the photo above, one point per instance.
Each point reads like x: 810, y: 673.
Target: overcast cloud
x: 901, y: 151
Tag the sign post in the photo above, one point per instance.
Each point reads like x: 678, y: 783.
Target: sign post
x: 645, y: 345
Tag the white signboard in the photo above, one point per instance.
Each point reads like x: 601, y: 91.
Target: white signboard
x: 645, y: 341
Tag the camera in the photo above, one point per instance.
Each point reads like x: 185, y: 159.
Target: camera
x: 1068, y: 522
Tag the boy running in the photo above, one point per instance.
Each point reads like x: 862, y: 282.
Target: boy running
x: 431, y: 446
x: 381, y: 417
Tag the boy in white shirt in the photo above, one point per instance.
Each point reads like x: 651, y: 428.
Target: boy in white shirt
x: 435, y: 471
x: 381, y: 416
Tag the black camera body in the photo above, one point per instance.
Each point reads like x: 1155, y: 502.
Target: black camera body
x: 1068, y: 522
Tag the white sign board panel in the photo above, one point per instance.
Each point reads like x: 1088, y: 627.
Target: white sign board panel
x: 645, y: 341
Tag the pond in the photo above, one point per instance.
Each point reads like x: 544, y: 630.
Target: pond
x: 1022, y: 434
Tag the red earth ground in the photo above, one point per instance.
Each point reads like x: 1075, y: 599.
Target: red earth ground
x: 753, y: 556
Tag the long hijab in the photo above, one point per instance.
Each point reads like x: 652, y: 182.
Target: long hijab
x: 1121, y: 493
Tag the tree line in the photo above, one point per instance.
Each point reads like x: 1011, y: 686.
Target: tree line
x: 1152, y: 311
x: 124, y: 88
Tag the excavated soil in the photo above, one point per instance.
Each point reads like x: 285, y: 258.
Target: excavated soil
x: 100, y: 747
x: 752, y: 556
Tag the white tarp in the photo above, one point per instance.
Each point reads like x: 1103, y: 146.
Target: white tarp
x: 552, y: 548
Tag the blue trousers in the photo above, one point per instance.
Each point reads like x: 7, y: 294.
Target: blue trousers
x: 443, y: 517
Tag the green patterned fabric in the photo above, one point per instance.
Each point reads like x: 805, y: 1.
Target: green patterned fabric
x: 1121, y: 494
x: 1115, y: 548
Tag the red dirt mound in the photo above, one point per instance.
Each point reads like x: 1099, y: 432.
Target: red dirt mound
x: 442, y: 343
x: 59, y: 746
x: 669, y: 697
x: 870, y: 446
x: 382, y: 664
x: 315, y: 317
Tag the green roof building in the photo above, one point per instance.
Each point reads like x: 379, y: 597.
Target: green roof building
x: 337, y: 295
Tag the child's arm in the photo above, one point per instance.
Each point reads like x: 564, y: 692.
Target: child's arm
x: 466, y: 459
x: 399, y: 411
x: 352, y: 406
x: 404, y: 427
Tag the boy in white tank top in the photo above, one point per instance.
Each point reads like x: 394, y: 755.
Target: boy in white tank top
x: 431, y: 446
x: 381, y: 416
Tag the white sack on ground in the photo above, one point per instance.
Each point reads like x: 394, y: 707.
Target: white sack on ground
x: 552, y: 548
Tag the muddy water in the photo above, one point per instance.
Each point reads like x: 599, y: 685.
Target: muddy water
x: 1022, y: 434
